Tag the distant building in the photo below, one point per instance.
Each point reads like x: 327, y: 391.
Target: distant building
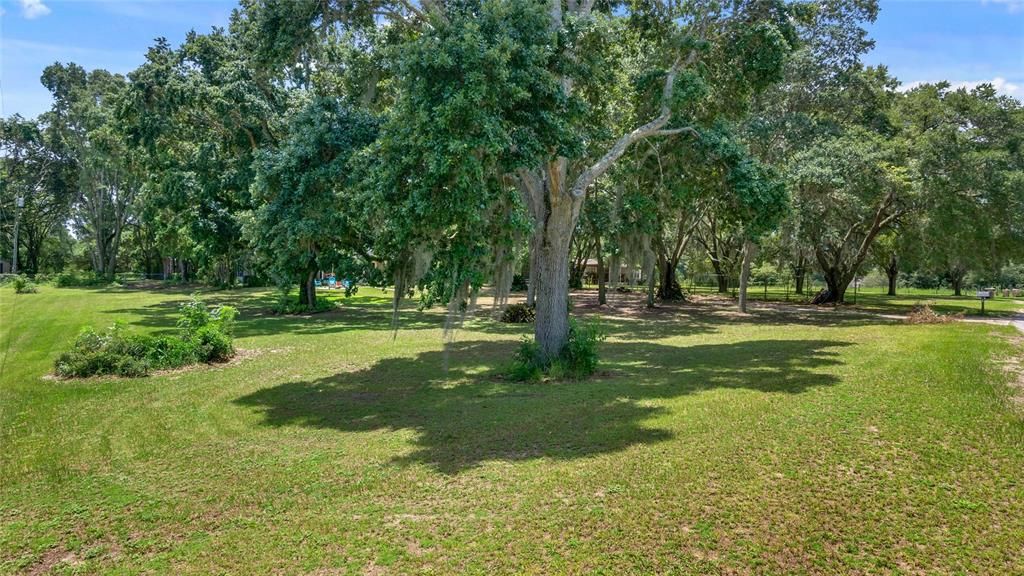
x: 626, y: 273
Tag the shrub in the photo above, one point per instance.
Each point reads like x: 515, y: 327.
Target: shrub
x: 22, y: 285
x: 579, y: 357
x: 518, y: 314
x: 519, y: 283
x: 170, y: 352
x: 204, y: 336
x: 212, y: 345
x: 526, y: 362
x: 110, y: 352
x: 577, y: 360
x: 75, y: 279
x: 287, y: 304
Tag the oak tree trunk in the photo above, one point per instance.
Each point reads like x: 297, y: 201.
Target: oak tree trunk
x: 749, y: 252
x: 602, y: 288
x: 551, y: 327
x: 892, y: 271
x: 837, y: 281
x: 307, y: 291
x: 531, y: 283
x: 670, y: 288
x: 723, y: 281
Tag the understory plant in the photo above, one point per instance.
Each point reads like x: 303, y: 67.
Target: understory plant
x: 288, y: 304
x: 22, y: 285
x: 79, y: 279
x: 518, y: 314
x: 204, y: 335
x: 577, y: 360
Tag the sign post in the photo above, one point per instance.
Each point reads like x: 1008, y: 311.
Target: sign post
x: 984, y: 295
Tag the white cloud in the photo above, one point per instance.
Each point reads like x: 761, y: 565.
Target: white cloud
x: 1012, y: 6
x: 34, y: 9
x: 1002, y: 85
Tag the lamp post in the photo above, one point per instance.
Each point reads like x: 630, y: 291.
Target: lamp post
x: 19, y: 203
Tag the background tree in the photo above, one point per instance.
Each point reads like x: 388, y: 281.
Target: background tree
x: 34, y: 171
x: 850, y: 189
x: 84, y: 125
x: 305, y: 219
x: 968, y: 145
x: 202, y: 113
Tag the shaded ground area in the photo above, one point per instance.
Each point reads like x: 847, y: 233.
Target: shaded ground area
x: 486, y: 419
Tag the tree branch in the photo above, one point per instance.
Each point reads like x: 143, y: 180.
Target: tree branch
x: 652, y: 128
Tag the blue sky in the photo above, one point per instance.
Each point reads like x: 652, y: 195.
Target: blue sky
x: 963, y: 41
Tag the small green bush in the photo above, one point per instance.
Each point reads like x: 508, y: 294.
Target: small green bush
x: 22, y: 285
x: 204, y: 336
x: 579, y: 357
x: 518, y: 314
x: 287, y: 304
x: 577, y: 360
x: 110, y: 352
x: 526, y: 362
x: 76, y: 279
x: 519, y: 283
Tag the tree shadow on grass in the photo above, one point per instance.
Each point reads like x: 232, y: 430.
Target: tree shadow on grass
x: 257, y: 319
x: 373, y: 313
x: 467, y: 414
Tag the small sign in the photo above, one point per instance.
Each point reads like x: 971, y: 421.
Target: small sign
x: 984, y: 294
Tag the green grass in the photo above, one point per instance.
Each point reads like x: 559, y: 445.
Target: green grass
x: 875, y: 299
x: 783, y: 442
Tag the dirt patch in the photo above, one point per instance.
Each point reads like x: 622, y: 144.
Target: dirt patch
x: 1014, y: 366
x: 52, y: 558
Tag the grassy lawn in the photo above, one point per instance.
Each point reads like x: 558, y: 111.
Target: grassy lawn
x: 875, y: 299
x: 782, y: 442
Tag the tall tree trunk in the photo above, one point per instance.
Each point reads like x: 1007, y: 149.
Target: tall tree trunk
x: 749, y: 252
x: 531, y: 281
x: 837, y: 282
x: 649, y: 275
x: 311, y: 290
x: 957, y: 280
x: 307, y: 290
x: 551, y: 328
x: 892, y: 271
x: 670, y: 288
x: 800, y: 273
x: 115, y: 245
x: 723, y: 281
x: 602, y: 288
x: 559, y: 211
